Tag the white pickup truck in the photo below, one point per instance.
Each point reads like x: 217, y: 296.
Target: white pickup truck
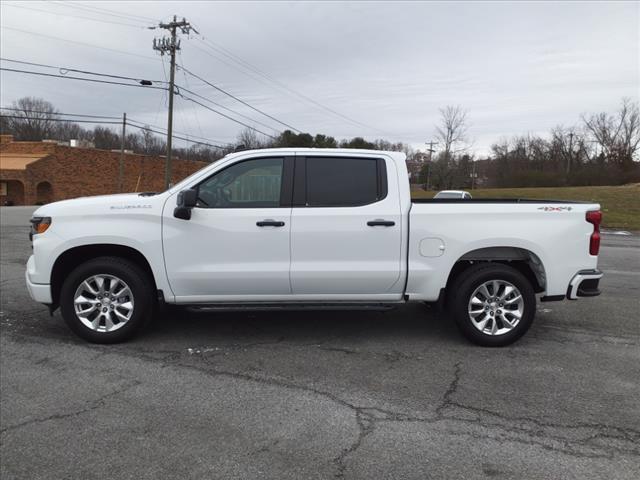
x: 293, y: 228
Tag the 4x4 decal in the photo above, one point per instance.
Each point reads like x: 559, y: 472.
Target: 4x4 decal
x: 555, y: 209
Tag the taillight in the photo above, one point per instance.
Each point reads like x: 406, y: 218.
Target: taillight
x: 594, y: 217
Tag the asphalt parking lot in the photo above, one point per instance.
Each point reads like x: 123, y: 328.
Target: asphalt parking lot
x: 299, y: 395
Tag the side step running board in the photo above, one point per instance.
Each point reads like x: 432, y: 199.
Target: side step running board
x: 226, y: 307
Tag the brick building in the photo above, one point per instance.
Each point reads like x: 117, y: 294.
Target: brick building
x: 42, y: 172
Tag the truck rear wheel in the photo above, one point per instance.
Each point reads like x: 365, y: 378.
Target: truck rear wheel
x: 106, y: 300
x: 493, y: 304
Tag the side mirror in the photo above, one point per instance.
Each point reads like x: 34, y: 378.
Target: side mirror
x: 187, y: 199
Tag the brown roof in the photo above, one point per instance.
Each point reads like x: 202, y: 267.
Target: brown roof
x: 18, y: 161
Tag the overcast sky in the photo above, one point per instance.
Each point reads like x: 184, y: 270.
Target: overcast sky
x: 516, y: 67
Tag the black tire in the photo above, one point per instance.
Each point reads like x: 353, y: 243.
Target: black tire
x: 137, y: 280
x: 472, y: 278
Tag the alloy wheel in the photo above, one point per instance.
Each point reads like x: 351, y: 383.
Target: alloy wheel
x: 103, y: 303
x: 496, y: 307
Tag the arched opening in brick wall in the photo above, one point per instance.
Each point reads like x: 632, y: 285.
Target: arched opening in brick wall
x: 11, y: 192
x: 44, y: 193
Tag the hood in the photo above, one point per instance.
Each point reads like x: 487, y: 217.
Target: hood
x: 101, y: 204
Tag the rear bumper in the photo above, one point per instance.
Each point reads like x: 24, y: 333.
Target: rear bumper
x: 584, y: 284
x: 39, y: 292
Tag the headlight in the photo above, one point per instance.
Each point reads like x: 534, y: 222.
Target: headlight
x: 39, y: 225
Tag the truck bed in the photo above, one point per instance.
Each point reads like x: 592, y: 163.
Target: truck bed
x: 490, y: 200
x: 554, y: 233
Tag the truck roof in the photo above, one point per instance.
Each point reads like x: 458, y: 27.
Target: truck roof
x: 397, y: 156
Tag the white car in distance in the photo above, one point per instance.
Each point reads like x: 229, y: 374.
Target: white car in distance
x: 461, y: 194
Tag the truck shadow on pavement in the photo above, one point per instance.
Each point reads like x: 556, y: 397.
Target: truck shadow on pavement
x: 180, y: 327
x: 418, y: 322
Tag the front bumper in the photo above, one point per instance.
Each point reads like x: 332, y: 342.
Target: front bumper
x: 39, y: 292
x: 584, y: 284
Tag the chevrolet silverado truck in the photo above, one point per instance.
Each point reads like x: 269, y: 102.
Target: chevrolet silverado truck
x: 308, y: 228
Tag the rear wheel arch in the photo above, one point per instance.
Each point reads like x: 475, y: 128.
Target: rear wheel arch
x: 522, y: 259
x: 76, y: 256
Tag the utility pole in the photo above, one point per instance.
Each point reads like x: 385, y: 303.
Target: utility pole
x: 430, y: 150
x: 121, y: 169
x: 170, y: 46
x: 473, y: 174
x: 570, y: 153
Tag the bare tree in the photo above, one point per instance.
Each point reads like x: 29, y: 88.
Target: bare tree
x: 452, y: 130
x: 617, y: 135
x: 249, y: 139
x: 35, y: 119
x: 68, y: 131
x: 150, y: 144
x: 4, y: 126
x: 452, y: 137
x: 567, y: 144
x: 630, y: 139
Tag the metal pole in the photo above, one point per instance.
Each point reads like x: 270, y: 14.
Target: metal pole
x: 121, y: 169
x: 431, y: 144
x: 170, y: 45
x: 473, y: 174
x: 167, y: 170
x: 570, y: 153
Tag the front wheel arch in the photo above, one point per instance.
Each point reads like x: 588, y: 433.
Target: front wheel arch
x: 72, y: 258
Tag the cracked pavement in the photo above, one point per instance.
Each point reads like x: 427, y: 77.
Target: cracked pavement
x: 353, y: 395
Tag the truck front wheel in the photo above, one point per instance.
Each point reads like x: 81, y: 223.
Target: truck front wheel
x: 106, y: 300
x: 493, y: 304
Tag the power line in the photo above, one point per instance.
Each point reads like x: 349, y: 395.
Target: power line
x: 57, y: 113
x: 76, y: 16
x: 145, y: 124
x: 178, y: 137
x: 239, y: 100
x: 59, y: 119
x: 249, y: 66
x: 143, y: 86
x: 106, y: 11
x: 224, y: 62
x: 87, y: 72
x: 82, y: 115
x: 80, y: 78
x: 165, y: 94
x: 145, y: 57
x: 209, y: 54
x: 186, y: 81
x: 28, y: 32
x: 180, y: 88
x: 246, y: 65
x: 226, y: 116
x: 20, y: 117
x: 92, y: 80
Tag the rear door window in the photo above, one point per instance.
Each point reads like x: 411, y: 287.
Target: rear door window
x: 343, y: 181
